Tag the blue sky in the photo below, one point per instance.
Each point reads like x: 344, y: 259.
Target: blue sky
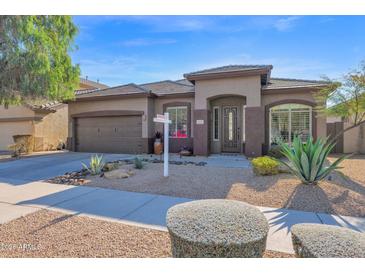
x: 124, y: 49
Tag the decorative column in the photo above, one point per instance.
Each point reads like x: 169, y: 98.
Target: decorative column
x: 201, y: 132
x: 254, y: 130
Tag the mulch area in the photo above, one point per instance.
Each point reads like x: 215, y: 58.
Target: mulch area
x: 52, y: 234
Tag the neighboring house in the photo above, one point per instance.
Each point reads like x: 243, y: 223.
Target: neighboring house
x: 47, y: 123
x: 352, y: 141
x: 230, y: 109
x: 85, y: 83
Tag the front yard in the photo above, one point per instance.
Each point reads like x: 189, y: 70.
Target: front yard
x: 52, y: 234
x: 343, y: 195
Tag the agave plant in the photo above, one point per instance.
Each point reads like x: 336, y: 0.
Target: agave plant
x: 96, y: 164
x: 307, y: 160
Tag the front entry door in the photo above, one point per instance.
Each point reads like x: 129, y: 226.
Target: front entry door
x: 231, y: 130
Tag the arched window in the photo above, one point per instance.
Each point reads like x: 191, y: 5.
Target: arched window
x: 289, y: 120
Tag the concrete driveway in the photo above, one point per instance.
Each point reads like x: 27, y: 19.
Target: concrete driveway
x: 44, y: 167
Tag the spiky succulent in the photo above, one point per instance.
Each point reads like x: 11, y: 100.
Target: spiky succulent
x: 96, y: 164
x: 307, y: 160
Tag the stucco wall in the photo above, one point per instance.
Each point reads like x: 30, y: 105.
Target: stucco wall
x: 16, y: 112
x: 137, y: 104
x: 8, y: 129
x: 354, y: 139
x: 245, y: 86
x: 51, y: 130
x: 150, y: 115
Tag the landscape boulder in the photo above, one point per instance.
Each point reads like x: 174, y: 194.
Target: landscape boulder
x: 118, y: 174
x: 327, y: 241
x: 217, y: 228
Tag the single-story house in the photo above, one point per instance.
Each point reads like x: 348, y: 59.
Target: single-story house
x: 47, y: 123
x: 229, y: 109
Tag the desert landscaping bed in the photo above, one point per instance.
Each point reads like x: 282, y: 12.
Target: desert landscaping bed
x: 339, y: 194
x: 52, y: 234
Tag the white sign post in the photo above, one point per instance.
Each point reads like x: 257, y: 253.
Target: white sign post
x: 165, y: 120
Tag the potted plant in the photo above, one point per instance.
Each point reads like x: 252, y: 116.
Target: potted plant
x: 158, y: 146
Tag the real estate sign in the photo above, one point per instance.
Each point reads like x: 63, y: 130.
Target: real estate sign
x: 165, y: 120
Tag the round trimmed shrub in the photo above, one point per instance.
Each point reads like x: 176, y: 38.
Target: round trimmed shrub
x: 327, y: 241
x: 265, y: 166
x: 217, y: 228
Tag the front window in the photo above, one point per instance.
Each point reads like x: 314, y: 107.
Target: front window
x: 216, y: 123
x: 288, y: 121
x: 179, y: 122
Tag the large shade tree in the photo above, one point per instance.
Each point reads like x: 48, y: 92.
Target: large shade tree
x: 345, y: 98
x: 35, y: 64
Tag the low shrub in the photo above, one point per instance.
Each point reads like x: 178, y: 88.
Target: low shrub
x: 16, y: 149
x: 275, y: 152
x: 265, y: 166
x: 26, y: 142
x: 138, y: 164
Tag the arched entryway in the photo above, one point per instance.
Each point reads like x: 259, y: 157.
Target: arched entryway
x: 227, y: 124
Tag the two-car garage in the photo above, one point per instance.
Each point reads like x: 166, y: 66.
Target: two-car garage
x: 109, y: 134
x: 112, y: 120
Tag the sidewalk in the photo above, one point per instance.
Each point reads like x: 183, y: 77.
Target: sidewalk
x: 142, y: 209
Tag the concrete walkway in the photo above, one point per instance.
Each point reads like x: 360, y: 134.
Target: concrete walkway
x: 146, y: 210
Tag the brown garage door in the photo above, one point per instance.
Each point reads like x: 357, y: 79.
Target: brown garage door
x: 121, y: 134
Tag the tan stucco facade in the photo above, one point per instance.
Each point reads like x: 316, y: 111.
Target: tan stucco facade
x: 51, y: 130
x: 242, y: 86
x: 247, y: 92
x: 130, y: 104
x: 354, y: 139
x: 9, y: 129
x: 48, y: 128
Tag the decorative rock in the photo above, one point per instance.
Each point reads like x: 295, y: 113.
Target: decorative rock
x: 110, y: 166
x: 118, y: 174
x: 217, y: 228
x: 327, y: 241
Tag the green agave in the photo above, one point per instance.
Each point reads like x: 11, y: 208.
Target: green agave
x: 96, y: 164
x: 307, y: 161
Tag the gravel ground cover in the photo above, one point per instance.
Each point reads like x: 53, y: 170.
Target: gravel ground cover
x: 343, y: 193
x: 52, y: 234
x: 353, y: 168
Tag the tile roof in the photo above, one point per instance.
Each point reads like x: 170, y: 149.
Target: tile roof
x: 92, y: 83
x: 85, y: 91
x: 229, y: 68
x: 277, y: 83
x: 50, y: 106
x: 185, y: 82
x: 168, y: 87
x: 118, y: 90
x: 184, y: 86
